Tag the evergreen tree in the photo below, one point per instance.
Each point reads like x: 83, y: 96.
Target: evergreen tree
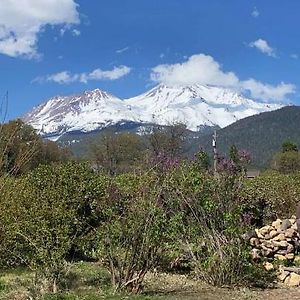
x: 289, y: 146
x: 203, y: 160
x: 234, y: 154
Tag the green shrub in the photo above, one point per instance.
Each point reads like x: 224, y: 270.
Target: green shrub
x: 212, y: 226
x: 136, y: 231
x: 136, y: 222
x: 44, y: 214
x: 271, y: 195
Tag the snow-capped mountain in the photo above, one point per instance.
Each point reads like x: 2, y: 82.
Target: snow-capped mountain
x: 195, y: 105
x: 89, y: 111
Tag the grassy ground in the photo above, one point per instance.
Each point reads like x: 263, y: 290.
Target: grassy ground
x: 91, y: 282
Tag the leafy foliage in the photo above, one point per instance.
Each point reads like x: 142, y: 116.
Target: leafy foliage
x: 289, y: 146
x: 22, y: 149
x: 45, y: 213
x: 116, y: 153
x: 136, y: 231
x: 288, y: 160
x: 134, y: 217
x: 169, y: 140
x: 270, y: 196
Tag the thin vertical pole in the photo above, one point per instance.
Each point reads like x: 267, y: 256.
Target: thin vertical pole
x: 214, y: 144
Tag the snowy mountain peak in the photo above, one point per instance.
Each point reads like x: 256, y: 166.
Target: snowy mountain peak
x: 85, y: 112
x: 183, y: 94
x: 195, y: 105
x: 98, y: 94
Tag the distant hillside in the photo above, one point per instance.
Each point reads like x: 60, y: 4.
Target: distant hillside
x: 261, y: 134
x: 80, y: 142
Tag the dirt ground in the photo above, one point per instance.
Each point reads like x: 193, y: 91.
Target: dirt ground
x: 180, y: 287
x: 90, y: 282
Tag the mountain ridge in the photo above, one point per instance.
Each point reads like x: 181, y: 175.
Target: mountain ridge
x: 194, y: 105
x: 262, y: 134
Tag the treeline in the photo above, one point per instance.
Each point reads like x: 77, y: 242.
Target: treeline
x: 260, y: 134
x: 22, y: 149
x: 135, y: 208
x: 115, y: 153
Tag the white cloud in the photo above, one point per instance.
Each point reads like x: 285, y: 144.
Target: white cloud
x: 266, y: 92
x: 62, y: 77
x: 76, y: 32
x: 122, y: 50
x: 203, y: 69
x: 115, y: 73
x: 21, y: 22
x: 264, y: 47
x: 66, y: 77
x: 62, y: 31
x: 294, y: 56
x: 255, y: 13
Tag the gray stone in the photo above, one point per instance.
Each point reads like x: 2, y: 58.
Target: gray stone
x: 290, y: 256
x: 268, y: 266
x: 268, y: 244
x: 283, y: 275
x: 282, y: 244
x: 267, y: 252
x: 290, y: 249
x: 259, y: 235
x: 278, y: 243
x: 255, y: 254
x: 279, y: 237
x: 280, y: 257
x: 282, y: 252
x: 273, y: 233
x: 254, y: 242
x: 285, y: 225
x: 292, y: 280
x: 249, y: 235
x: 290, y: 232
x: 265, y: 230
x: 294, y: 226
x: 277, y: 224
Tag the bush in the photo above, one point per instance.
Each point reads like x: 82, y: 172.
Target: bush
x: 213, y: 230
x: 213, y: 224
x: 286, y: 162
x: 44, y: 214
x: 271, y: 196
x: 136, y: 231
x: 136, y: 222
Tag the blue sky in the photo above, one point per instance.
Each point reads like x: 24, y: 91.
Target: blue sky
x: 62, y: 47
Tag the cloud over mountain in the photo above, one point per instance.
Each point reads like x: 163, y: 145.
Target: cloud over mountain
x: 66, y: 77
x: 204, y: 69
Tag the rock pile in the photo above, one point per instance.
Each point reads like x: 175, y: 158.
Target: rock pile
x: 277, y: 241
x: 289, y: 275
x: 278, y: 244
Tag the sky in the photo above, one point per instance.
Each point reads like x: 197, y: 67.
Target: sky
x: 126, y: 47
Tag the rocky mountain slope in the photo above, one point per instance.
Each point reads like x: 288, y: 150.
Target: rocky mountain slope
x: 197, y: 106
